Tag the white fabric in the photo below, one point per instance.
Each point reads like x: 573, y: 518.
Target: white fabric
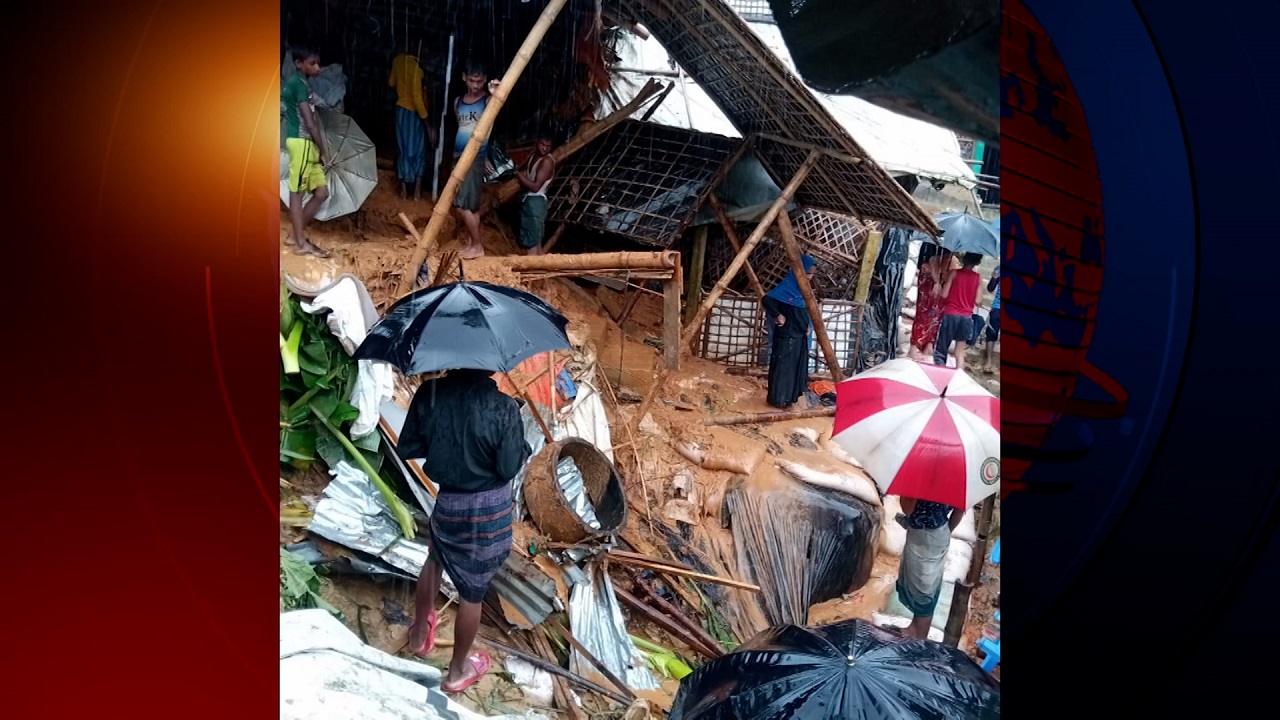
x: 349, y: 305
x: 587, y: 420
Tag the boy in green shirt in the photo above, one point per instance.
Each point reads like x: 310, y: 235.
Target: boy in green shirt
x: 305, y: 144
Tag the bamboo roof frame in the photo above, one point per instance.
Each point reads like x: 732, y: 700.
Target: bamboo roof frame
x: 762, y: 97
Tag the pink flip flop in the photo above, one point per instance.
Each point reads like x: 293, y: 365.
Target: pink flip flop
x: 480, y: 662
x: 430, y: 644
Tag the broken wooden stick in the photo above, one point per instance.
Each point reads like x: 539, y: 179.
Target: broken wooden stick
x: 782, y: 416
x: 604, y: 670
x: 764, y: 373
x: 554, y: 669
x: 666, y: 566
x: 674, y: 628
x: 660, y: 604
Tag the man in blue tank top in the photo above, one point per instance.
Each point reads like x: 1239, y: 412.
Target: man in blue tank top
x: 468, y: 109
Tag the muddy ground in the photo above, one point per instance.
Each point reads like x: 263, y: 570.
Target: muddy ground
x: 374, y: 246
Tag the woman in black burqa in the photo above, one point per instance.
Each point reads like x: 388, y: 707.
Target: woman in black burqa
x: 789, y: 362
x: 471, y: 440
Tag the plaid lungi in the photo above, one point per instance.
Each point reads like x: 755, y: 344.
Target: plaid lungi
x: 470, y: 537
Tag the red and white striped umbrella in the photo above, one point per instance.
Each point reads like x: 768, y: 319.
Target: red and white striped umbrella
x: 922, y: 431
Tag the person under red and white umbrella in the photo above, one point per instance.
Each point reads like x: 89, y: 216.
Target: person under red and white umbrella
x: 930, y: 435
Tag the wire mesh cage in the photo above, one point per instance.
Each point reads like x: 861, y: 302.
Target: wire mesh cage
x: 641, y: 180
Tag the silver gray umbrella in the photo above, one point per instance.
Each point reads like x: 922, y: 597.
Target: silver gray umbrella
x: 351, y: 169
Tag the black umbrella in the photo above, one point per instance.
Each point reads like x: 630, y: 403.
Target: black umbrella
x: 471, y: 325
x: 850, y: 670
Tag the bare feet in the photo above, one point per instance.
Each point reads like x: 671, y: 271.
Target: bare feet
x: 306, y: 247
x: 471, y: 251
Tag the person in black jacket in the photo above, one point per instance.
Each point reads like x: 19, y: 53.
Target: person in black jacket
x: 471, y: 440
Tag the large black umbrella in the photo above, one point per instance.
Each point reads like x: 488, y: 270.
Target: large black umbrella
x: 850, y: 670
x: 471, y: 325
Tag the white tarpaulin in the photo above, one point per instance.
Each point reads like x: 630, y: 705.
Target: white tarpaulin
x: 327, y: 673
x: 899, y: 143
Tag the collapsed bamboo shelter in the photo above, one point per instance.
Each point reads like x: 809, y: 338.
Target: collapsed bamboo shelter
x: 762, y: 98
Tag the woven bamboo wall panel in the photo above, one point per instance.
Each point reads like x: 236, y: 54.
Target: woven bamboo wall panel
x: 641, y: 180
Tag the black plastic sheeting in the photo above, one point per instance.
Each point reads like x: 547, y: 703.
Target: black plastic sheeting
x: 879, y: 340
x: 936, y: 60
x: 850, y: 670
x: 802, y: 545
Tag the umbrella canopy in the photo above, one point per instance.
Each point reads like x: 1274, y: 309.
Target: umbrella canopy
x: 464, y: 325
x: 922, y: 431
x: 850, y: 670
x: 352, y: 169
x: 964, y: 233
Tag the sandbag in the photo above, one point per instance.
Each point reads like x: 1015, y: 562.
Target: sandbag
x: 716, y: 458
x: 858, y: 486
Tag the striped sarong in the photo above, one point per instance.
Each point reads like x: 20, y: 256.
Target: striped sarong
x: 411, y: 137
x: 470, y: 537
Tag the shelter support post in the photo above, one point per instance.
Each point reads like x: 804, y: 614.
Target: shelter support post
x: 693, y: 327
x: 696, y: 266
x: 732, y: 235
x: 964, y: 589
x: 811, y: 302
x: 671, y: 318
x: 511, y: 188
x: 478, y: 137
x: 870, y: 253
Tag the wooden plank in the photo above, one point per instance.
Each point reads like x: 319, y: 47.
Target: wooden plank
x: 696, y: 266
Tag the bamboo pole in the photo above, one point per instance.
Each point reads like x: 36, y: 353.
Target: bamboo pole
x: 802, y: 145
x: 692, y: 328
x: 810, y: 302
x: 555, y: 238
x: 964, y: 589
x: 729, y: 232
x: 696, y: 266
x: 768, y: 417
x: 671, y: 319
x: 659, y: 260
x: 665, y: 566
x: 444, y: 113
x: 478, y: 137
x: 511, y: 188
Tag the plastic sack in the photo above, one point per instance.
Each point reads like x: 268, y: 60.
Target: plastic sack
x: 850, y: 669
